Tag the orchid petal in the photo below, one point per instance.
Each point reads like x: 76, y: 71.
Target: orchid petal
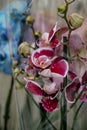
x: 84, y: 78
x: 53, y: 31
x: 45, y: 36
x: 33, y: 87
x: 72, y: 75
x: 77, y: 65
x: 75, y: 42
x: 84, y: 95
x: 71, y: 90
x: 50, y: 105
x: 59, y: 68
x: 46, y: 73
x: 50, y: 87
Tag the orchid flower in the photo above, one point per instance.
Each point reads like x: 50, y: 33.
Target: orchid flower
x: 75, y: 87
x: 42, y: 57
x: 54, y: 37
x: 50, y: 104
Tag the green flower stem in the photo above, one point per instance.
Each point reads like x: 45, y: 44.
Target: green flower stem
x: 71, y: 2
x: 67, y: 2
x: 33, y: 30
x: 63, y: 102
x: 43, y: 118
x: 7, y: 105
x: 76, y: 114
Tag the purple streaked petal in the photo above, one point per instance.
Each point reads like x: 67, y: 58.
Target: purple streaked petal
x: 71, y: 75
x: 84, y: 78
x: 71, y: 90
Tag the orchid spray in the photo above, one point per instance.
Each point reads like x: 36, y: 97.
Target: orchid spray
x: 53, y: 68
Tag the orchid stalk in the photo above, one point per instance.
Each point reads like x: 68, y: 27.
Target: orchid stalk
x: 7, y: 106
x: 75, y: 116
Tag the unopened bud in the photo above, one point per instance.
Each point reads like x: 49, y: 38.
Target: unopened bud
x: 76, y: 20
x: 24, y: 49
x: 62, y: 9
x: 37, y: 34
x: 29, y: 20
x: 15, y: 63
x: 16, y: 72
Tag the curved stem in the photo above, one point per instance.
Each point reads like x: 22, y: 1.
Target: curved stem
x: 76, y: 114
x: 61, y: 111
x: 7, y: 105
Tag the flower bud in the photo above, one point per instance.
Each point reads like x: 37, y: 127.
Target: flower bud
x: 62, y: 9
x: 15, y: 63
x: 16, y: 72
x: 24, y: 49
x: 76, y: 20
x: 37, y: 34
x: 29, y: 20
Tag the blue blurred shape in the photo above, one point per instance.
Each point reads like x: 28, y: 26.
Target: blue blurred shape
x: 10, y: 32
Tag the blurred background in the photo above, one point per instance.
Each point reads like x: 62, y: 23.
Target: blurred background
x: 45, y: 14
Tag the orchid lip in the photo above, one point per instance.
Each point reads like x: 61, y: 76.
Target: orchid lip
x: 47, y: 104
x: 38, y: 51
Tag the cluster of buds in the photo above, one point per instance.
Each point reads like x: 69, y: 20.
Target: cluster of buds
x: 75, y: 20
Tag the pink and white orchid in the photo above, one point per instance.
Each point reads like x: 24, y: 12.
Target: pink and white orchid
x: 76, y: 87
x: 59, y: 68
x: 42, y: 57
x: 49, y: 104
x: 54, y: 37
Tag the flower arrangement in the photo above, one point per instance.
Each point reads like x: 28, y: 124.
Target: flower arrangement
x: 53, y: 67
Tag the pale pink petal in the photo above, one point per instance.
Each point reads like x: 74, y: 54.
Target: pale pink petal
x: 71, y: 90
x: 78, y: 67
x: 75, y: 42
x: 46, y: 73
x: 59, y: 68
x: 33, y: 87
x: 50, y: 105
x: 44, y: 61
x: 49, y: 86
x: 45, y: 36
x: 83, y: 52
